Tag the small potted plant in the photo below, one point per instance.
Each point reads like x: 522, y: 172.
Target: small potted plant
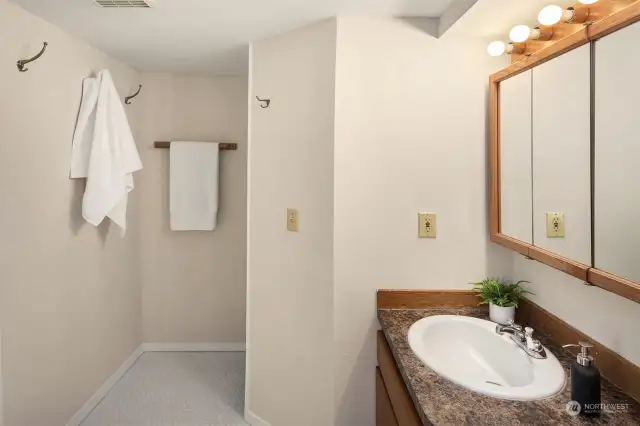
x: 501, y: 297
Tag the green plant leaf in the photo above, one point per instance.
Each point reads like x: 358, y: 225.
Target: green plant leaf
x: 492, y: 290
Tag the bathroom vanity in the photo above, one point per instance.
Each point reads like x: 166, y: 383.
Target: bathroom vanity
x: 408, y: 393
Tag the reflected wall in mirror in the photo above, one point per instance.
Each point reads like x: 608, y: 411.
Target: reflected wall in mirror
x: 515, y: 158
x: 561, y: 116
x: 617, y: 154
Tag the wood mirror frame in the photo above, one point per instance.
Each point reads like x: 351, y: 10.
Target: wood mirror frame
x: 606, y: 16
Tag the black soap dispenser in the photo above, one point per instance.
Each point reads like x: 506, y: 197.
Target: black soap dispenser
x: 585, y: 381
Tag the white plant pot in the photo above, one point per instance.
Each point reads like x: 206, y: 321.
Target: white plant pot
x: 501, y: 315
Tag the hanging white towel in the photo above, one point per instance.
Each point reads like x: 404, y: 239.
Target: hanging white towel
x: 193, y: 194
x: 104, y: 152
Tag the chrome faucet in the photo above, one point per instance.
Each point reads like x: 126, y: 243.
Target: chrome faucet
x: 525, y: 341
x: 512, y: 328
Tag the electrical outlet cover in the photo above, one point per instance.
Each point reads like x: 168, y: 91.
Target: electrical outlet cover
x: 427, y: 225
x: 555, y: 224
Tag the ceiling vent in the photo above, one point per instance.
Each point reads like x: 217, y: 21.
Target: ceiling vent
x: 125, y: 3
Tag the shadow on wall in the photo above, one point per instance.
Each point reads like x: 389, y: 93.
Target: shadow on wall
x: 359, y: 394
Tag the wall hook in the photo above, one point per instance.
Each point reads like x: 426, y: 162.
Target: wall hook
x: 24, y: 62
x: 127, y: 100
x: 266, y: 101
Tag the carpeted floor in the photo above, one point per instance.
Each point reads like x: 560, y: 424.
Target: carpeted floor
x: 177, y: 389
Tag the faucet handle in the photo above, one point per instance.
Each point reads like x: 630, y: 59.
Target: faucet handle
x: 537, y: 346
x: 511, y: 323
x: 532, y: 344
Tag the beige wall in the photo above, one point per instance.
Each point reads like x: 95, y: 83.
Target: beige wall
x: 194, y: 283
x: 290, y: 311
x: 410, y: 137
x: 70, y: 306
x: 389, y: 147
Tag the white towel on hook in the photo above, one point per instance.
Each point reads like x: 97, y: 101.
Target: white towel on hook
x: 193, y: 193
x: 104, y: 152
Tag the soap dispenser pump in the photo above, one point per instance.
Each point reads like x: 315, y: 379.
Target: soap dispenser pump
x: 585, y: 381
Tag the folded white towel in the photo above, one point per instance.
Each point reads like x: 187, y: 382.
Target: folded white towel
x: 194, y: 186
x: 104, y: 152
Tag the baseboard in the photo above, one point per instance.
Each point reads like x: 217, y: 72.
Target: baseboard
x: 105, y: 388
x: 254, y: 420
x: 194, y: 347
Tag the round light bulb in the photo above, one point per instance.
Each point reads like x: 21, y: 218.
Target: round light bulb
x: 519, y: 33
x: 550, y: 15
x: 587, y: 1
x: 496, y: 48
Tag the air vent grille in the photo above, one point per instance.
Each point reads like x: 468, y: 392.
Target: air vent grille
x: 125, y: 3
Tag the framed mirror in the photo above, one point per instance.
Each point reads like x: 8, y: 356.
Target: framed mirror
x: 565, y: 151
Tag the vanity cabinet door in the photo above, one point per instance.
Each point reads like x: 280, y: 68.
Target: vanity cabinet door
x: 561, y: 117
x: 384, y: 410
x: 617, y: 154
x: 515, y: 157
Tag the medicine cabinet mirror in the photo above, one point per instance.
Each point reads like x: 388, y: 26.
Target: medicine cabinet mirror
x: 565, y: 154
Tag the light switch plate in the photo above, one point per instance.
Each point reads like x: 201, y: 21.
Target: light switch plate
x: 292, y: 220
x: 555, y: 224
x: 427, y: 225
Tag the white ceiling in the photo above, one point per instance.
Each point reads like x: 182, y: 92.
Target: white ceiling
x: 204, y: 36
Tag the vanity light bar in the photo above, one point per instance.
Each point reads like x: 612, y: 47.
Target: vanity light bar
x: 498, y: 48
x: 548, y: 16
x: 515, y: 48
x: 542, y: 33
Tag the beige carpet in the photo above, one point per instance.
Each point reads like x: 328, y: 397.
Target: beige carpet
x: 177, y: 389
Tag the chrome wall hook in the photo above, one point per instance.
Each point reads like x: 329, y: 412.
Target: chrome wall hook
x: 127, y: 100
x: 264, y: 101
x: 24, y: 62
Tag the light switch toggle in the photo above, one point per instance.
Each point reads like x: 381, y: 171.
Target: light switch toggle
x: 427, y: 225
x: 292, y: 220
x: 555, y: 224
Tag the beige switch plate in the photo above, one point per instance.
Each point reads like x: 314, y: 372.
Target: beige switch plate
x: 555, y: 224
x: 427, y: 225
x: 293, y: 220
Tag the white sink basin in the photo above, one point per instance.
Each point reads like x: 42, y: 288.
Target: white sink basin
x: 470, y: 353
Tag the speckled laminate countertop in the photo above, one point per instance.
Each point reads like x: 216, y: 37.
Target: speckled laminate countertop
x: 441, y: 402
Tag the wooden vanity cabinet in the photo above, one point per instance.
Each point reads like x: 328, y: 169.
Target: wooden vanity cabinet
x: 384, y: 410
x: 394, y: 406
